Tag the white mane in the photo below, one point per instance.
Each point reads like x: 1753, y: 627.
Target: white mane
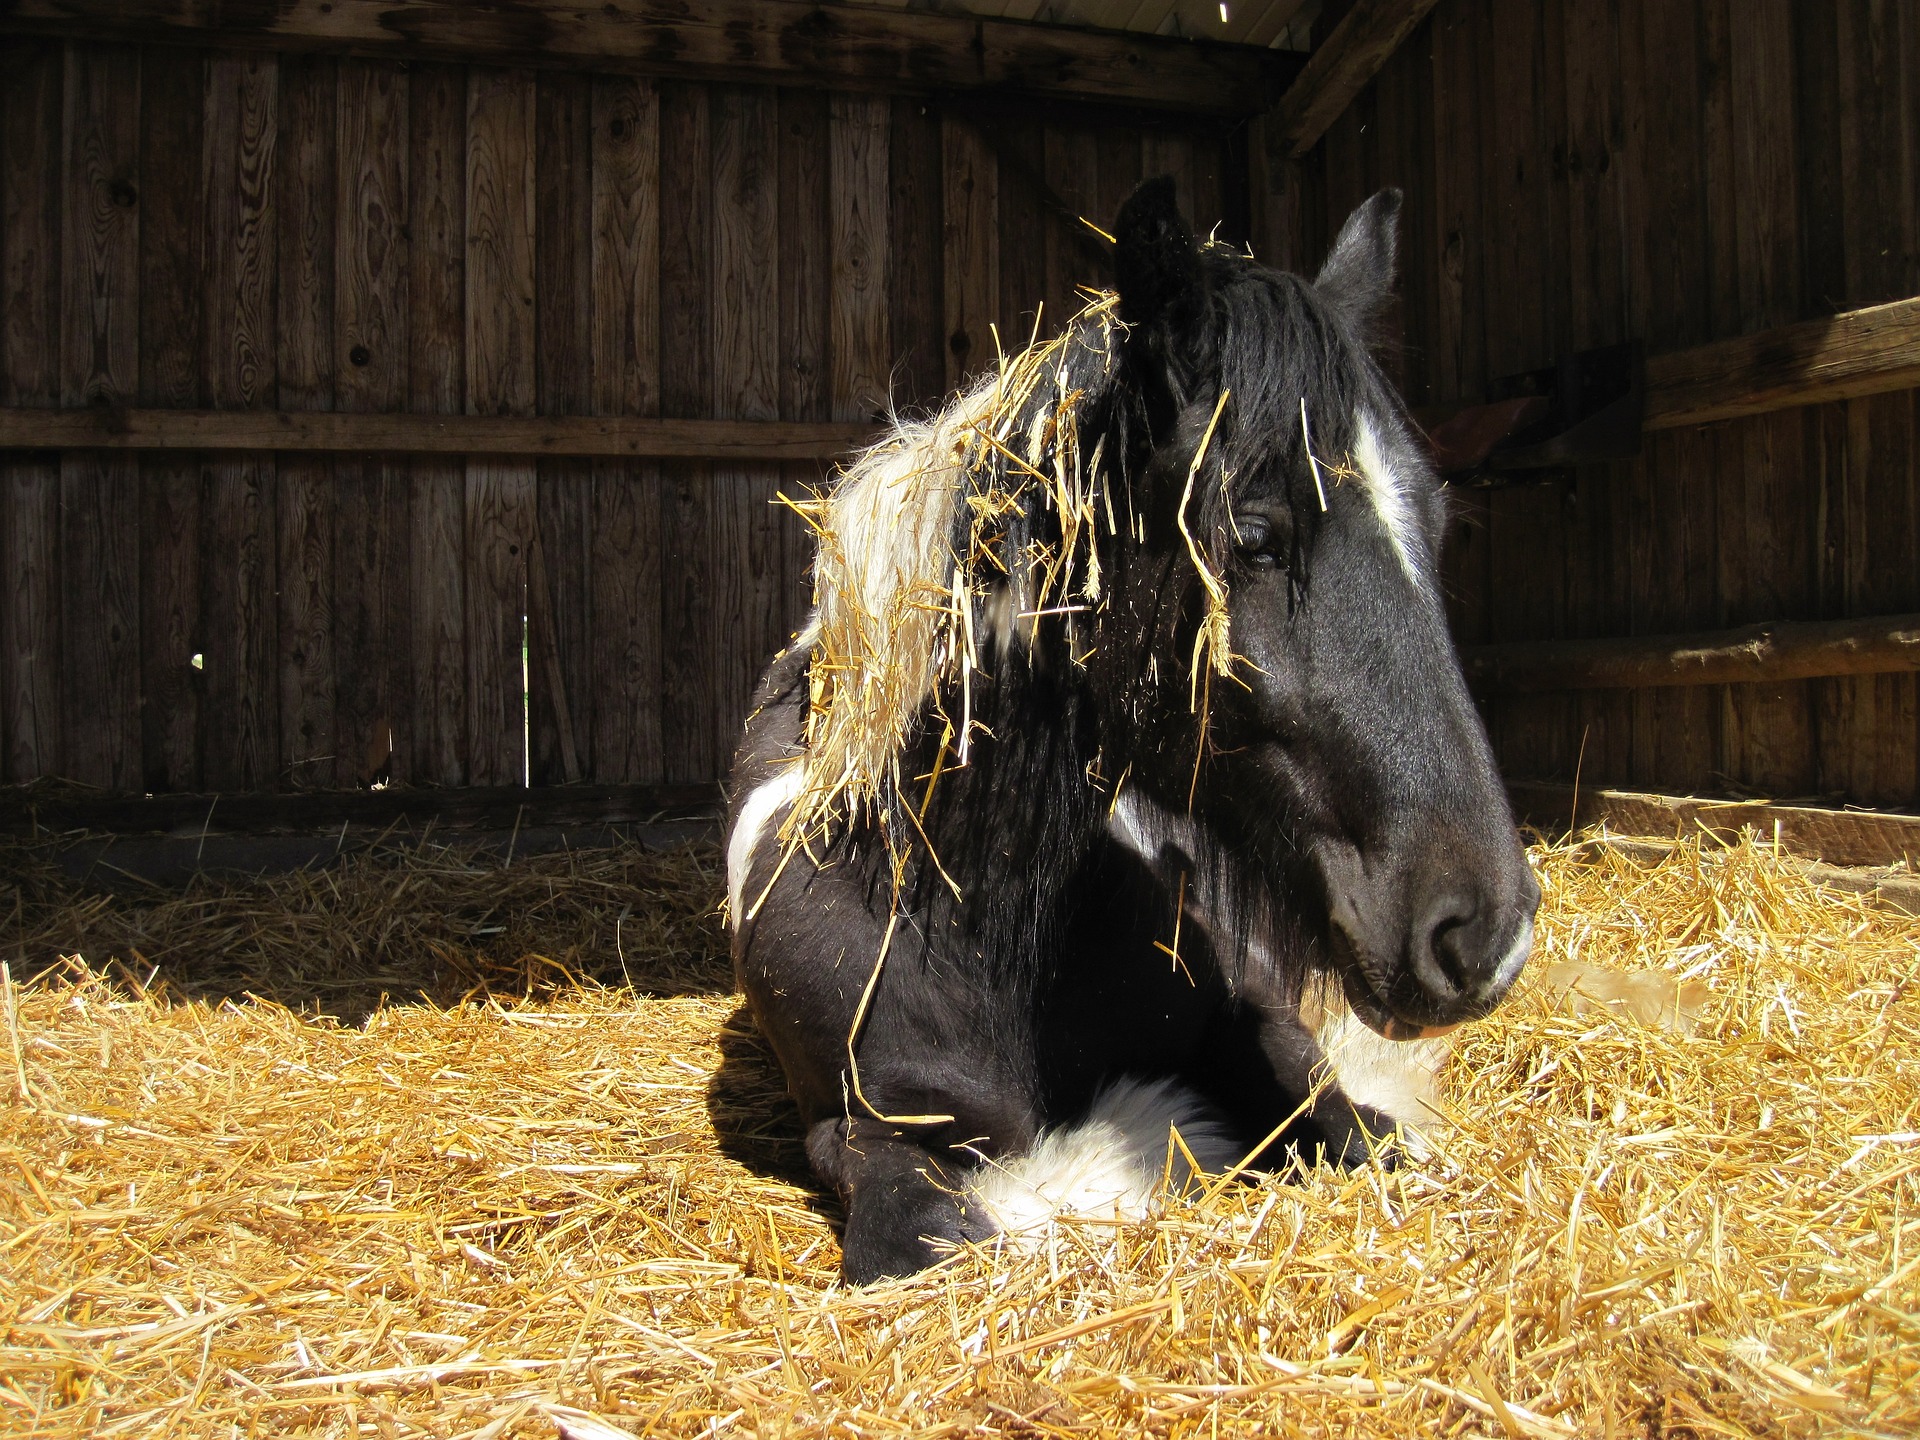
x: 908, y: 546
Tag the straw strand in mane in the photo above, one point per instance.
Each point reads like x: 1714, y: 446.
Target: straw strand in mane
x: 925, y: 526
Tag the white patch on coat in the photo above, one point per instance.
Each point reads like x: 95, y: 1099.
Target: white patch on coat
x: 767, y: 800
x: 1516, y: 956
x: 1112, y: 1164
x: 1389, y: 487
x: 1399, y: 1078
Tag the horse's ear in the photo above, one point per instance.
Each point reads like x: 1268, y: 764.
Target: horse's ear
x: 1358, y: 275
x: 1156, y: 265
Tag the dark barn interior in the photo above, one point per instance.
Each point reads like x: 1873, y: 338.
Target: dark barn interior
x: 399, y: 395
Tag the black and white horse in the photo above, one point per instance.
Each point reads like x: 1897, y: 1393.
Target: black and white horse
x: 1125, y: 777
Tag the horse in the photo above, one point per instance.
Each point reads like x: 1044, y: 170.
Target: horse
x: 1124, y: 779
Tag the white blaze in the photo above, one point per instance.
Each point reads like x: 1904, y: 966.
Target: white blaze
x: 1390, y: 490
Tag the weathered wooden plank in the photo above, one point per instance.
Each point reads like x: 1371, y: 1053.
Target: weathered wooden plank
x: 431, y: 730
x: 99, y: 494
x: 1119, y: 174
x: 1456, y: 347
x: 31, y: 196
x: 858, y: 180
x: 1071, y: 161
x: 239, y: 744
x: 1601, y: 723
x: 1878, y: 192
x: 1764, y: 653
x: 1765, y: 533
x: 806, y: 282
x: 1024, y: 220
x: 970, y: 178
x: 304, y: 282
x: 558, y: 675
x: 624, y: 549
x: 1859, y: 353
x: 172, y: 217
x: 30, y: 625
x: 240, y: 711
x: 1342, y: 65
x: 370, y: 337
x: 1520, y: 215
x: 746, y: 610
x: 414, y: 434
x: 241, y: 135
x: 100, y: 285
x: 1773, y: 724
x: 31, y: 199
x: 502, y: 807
x: 500, y: 381
x: 914, y: 272
x: 686, y: 371
x: 372, y: 553
x: 763, y: 41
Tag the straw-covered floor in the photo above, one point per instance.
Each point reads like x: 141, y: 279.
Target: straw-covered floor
x: 560, y: 1191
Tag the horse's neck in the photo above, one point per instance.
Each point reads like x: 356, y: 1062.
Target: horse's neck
x: 1011, y: 829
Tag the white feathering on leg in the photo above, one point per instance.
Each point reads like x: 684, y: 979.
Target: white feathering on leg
x: 1109, y: 1165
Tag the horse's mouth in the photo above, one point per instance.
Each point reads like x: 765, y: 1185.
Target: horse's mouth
x: 1374, y: 1012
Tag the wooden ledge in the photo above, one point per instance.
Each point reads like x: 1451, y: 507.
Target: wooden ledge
x: 489, y: 808
x: 1843, y: 357
x: 336, y: 431
x: 1837, y: 837
x: 1777, y: 651
x: 780, y: 42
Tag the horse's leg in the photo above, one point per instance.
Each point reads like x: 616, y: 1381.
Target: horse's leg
x: 904, y: 1206
x: 1348, y: 1132
x: 1263, y: 1070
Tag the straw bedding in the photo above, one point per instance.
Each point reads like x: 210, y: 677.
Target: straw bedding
x: 552, y: 1186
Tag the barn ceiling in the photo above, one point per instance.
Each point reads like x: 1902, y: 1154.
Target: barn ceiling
x: 1280, y: 24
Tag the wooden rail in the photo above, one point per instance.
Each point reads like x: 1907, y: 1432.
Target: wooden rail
x: 782, y: 42
x: 1874, y: 351
x: 400, y: 434
x: 1342, y: 66
x: 1781, y: 650
x: 1860, y: 352
x: 1838, y: 837
x: 489, y: 807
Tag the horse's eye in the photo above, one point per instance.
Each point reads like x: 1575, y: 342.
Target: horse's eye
x: 1259, y: 541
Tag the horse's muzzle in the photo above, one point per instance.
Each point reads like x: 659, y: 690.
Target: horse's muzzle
x: 1423, y: 947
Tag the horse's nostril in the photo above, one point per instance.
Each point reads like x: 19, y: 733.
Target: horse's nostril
x: 1448, y: 961
x: 1449, y: 945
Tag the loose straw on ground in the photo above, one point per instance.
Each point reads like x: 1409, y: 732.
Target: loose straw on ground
x: 557, y: 1204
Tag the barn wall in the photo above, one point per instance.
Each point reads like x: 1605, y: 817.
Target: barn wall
x: 1583, y: 172
x: 235, y: 230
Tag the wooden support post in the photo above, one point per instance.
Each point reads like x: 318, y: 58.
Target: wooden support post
x: 1342, y: 66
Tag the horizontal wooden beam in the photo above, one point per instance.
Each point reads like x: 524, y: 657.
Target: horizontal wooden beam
x: 1860, y: 352
x: 1838, y: 837
x: 1781, y: 650
x: 398, y: 434
x: 1342, y: 66
x: 500, y: 807
x: 779, y: 42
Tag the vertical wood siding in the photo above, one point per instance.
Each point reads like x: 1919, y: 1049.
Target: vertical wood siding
x: 216, y: 229
x: 1579, y: 174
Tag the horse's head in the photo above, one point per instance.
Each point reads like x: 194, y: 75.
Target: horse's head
x: 1276, y: 659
